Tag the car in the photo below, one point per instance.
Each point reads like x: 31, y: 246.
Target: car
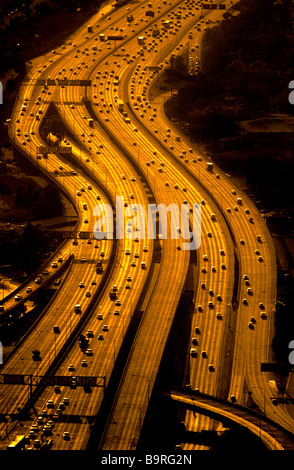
x: 89, y: 352
x: 263, y: 314
x: 71, y: 368
x: 54, y: 264
x: 102, y: 254
x: 90, y: 334
x: 261, y: 305
x: 34, y: 428
x: 84, y: 363
x: 66, y: 436
x: 17, y: 297
x: 100, y: 337
x: 50, y: 404
x: 83, y: 259
x: 245, y: 301
x: 81, y: 284
x: 193, y: 352
x: 133, y: 263
x: 88, y: 293
x: 28, y: 290
x: 129, y: 278
x: 47, y: 431
x: 57, y: 389
x: 104, y: 328
x: 199, y: 308
x: 250, y: 325
x: 116, y: 312
x: 219, y: 316
x: 211, y: 367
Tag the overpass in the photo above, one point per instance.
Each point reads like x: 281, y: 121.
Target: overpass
x: 271, y: 434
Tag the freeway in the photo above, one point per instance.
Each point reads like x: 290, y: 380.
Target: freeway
x: 261, y: 271
x: 273, y: 436
x: 121, y: 169
x: 142, y: 157
x: 119, y: 434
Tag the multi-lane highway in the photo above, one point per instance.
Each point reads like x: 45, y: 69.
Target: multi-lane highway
x: 123, y: 146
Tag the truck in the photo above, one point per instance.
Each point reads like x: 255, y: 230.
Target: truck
x: 102, y: 37
x: 112, y: 294
x: 141, y: 40
x: 209, y: 166
x: 91, y: 122
x: 99, y: 267
x: 120, y: 105
x: 90, y: 29
x: 83, y: 341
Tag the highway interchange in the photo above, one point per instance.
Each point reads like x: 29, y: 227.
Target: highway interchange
x: 144, y: 158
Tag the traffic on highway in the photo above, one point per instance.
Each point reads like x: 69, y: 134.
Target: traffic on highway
x: 170, y: 262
